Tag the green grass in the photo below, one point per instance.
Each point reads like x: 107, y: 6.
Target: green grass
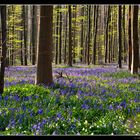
x: 120, y: 75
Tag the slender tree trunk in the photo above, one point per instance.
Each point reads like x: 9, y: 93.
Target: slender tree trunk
x: 74, y: 35
x: 60, y: 36
x: 21, y: 47
x: 34, y: 34
x: 82, y: 34
x: 95, y: 36
x: 25, y: 37
x: 4, y: 47
x: 70, y: 39
x: 89, y: 34
x: 120, y: 38
x: 135, y: 45
x: 28, y: 31
x: 44, y: 58
x: 109, y: 39
x: 124, y: 39
x: 129, y: 40
x: 57, y: 41
x: 106, y: 45
x: 13, y: 38
x: 66, y: 32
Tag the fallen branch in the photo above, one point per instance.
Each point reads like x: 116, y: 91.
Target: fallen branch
x: 60, y: 75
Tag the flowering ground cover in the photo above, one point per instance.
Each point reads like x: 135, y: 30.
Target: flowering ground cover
x: 86, y: 101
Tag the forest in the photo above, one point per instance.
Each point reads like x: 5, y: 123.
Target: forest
x: 69, y: 69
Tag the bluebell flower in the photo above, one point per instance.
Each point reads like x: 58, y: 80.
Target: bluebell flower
x: 36, y: 96
x: 44, y: 121
x: 40, y: 111
x: 84, y: 106
x: 31, y: 114
x: 25, y: 98
x: 16, y: 97
x: 111, y: 107
x: 72, y: 126
x: 103, y: 91
x: 59, y: 115
x: 123, y: 104
x: 138, y: 109
x: 35, y: 127
x: 23, y: 107
x: 12, y: 109
x: 6, y: 98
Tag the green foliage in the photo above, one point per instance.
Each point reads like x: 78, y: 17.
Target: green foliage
x: 120, y: 75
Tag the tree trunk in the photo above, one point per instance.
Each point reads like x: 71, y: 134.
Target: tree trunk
x: 44, y: 55
x: 89, y: 32
x: 57, y: 41
x: 120, y: 38
x: 66, y: 32
x: 21, y: 46
x: 4, y: 47
x: 135, y: 45
x: 60, y: 36
x: 129, y: 40
x: 82, y: 35
x: 124, y: 39
x: 25, y: 36
x: 106, y: 43
x: 74, y: 34
x: 95, y: 36
x: 34, y: 34
x: 70, y: 39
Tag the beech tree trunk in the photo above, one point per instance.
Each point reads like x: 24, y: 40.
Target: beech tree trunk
x: 44, y: 55
x: 135, y: 45
x: 129, y: 40
x: 4, y: 47
x: 120, y: 37
x: 70, y: 39
x: 95, y: 36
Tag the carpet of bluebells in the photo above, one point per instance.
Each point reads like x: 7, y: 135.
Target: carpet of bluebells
x: 88, y: 101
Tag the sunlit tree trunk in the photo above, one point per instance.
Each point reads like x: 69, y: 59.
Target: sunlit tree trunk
x: 135, y: 45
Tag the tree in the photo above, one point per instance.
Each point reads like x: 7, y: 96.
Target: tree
x: 25, y: 34
x: 34, y: 33
x: 44, y: 54
x: 89, y: 34
x: 60, y: 35
x: 106, y: 43
x: 135, y: 45
x: 57, y: 34
x: 82, y: 34
x: 4, y: 47
x: 120, y: 37
x: 129, y: 40
x: 70, y: 38
x: 95, y: 35
x: 124, y: 39
x: 66, y: 36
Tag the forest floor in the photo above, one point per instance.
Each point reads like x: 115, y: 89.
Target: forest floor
x: 87, y: 100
